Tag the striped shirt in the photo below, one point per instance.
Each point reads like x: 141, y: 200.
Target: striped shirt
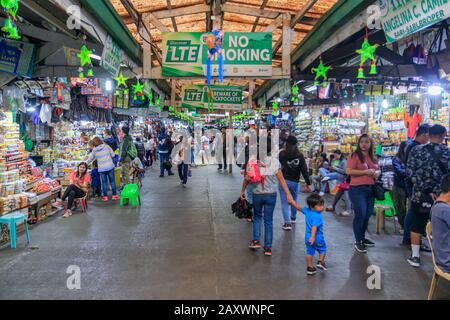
x: 104, y: 156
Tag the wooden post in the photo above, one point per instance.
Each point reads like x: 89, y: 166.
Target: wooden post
x: 147, y: 74
x: 173, y: 93
x: 287, y: 34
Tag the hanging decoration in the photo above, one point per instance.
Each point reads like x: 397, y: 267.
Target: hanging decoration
x: 295, y: 92
x: 85, y: 60
x: 320, y: 72
x: 121, y: 81
x: 138, y: 90
x: 275, y: 109
x: 10, y: 8
x: 214, y: 42
x: 210, y: 100
x: 367, y: 52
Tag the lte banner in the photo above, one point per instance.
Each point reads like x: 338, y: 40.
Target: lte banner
x: 245, y: 54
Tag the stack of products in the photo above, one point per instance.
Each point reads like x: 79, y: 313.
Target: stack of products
x: 330, y: 130
x: 351, y: 130
x: 304, y: 130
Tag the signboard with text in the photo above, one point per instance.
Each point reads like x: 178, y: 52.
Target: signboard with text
x: 17, y: 57
x: 248, y: 54
x: 223, y: 97
x: 401, y: 19
x: 111, y: 57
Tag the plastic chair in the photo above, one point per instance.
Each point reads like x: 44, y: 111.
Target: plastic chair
x: 437, y: 271
x: 83, y: 202
x: 11, y: 220
x: 130, y: 192
x: 383, y: 209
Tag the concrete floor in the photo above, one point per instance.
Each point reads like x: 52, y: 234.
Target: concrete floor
x: 186, y: 244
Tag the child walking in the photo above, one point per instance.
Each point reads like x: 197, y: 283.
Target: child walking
x: 314, y: 238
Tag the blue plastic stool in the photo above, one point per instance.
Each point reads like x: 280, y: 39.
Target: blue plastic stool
x: 11, y: 220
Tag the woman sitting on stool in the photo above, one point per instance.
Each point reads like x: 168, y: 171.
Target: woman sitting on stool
x: 78, y: 188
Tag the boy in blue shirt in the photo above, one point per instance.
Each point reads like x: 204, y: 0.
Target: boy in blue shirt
x: 314, y: 238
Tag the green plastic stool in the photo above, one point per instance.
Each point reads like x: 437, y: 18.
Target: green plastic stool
x: 384, y: 209
x: 388, y: 202
x: 130, y: 192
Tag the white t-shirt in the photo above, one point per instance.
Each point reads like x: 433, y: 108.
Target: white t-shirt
x: 205, y: 142
x: 150, y: 144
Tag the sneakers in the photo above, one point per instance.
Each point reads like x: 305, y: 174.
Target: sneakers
x: 267, y: 251
x: 321, y: 193
x: 116, y: 198
x: 293, y: 220
x: 345, y: 214
x: 171, y: 174
x: 368, y: 243
x: 325, y: 179
x: 184, y: 186
x: 310, y: 271
x: 161, y: 176
x: 322, y: 265
x: 67, y: 214
x: 360, y: 247
x: 414, y: 261
x: 105, y: 199
x: 424, y: 248
x: 287, y: 227
x: 255, y: 244
x: 330, y: 209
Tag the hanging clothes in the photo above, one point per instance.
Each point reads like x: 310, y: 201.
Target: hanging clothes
x: 412, y: 122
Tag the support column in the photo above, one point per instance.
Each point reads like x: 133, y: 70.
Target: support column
x: 287, y: 35
x: 230, y: 165
x: 147, y: 57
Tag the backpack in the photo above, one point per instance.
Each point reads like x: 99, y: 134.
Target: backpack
x: 132, y: 152
x: 253, y: 174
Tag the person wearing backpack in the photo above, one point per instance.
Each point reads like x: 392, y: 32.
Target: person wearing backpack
x: 264, y: 176
x: 128, y: 152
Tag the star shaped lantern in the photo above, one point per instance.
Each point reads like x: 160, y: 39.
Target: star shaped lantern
x: 138, y: 88
x: 121, y: 80
x: 85, y: 56
x: 367, y: 51
x: 321, y: 71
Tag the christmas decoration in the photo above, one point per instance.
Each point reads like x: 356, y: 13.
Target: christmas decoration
x: 138, y: 90
x: 10, y: 7
x: 320, y: 71
x: 84, y: 56
x: 295, y: 93
x: 367, y: 52
x: 275, y: 109
x: 121, y: 80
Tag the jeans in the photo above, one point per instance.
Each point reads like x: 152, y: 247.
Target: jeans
x: 263, y: 203
x: 72, y: 192
x: 331, y: 175
x: 112, y: 180
x: 183, y: 170
x: 407, y: 225
x: 193, y: 156
x: 249, y: 193
x: 149, y: 158
x: 399, y: 198
x: 294, y: 188
x: 363, y: 202
x: 348, y: 201
x: 163, y: 157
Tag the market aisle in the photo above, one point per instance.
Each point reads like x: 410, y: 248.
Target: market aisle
x: 185, y: 244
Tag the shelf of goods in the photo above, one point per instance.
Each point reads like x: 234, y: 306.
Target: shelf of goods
x: 72, y: 152
x: 393, y: 130
x: 304, y: 130
x: 330, y: 129
x: 137, y: 131
x: 387, y: 169
x: 350, y: 131
x: 441, y: 116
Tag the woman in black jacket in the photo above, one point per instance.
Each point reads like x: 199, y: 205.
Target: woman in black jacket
x: 293, y: 165
x: 399, y: 194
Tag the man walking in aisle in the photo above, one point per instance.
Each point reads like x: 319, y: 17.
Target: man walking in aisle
x: 427, y: 164
x: 164, y: 143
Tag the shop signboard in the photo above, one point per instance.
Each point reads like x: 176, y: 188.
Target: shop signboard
x: 17, y: 57
x: 224, y: 97
x: 401, y: 19
x: 249, y: 54
x: 111, y: 57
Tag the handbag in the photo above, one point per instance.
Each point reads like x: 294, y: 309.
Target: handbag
x: 344, y: 185
x: 167, y: 164
x: 378, y: 191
